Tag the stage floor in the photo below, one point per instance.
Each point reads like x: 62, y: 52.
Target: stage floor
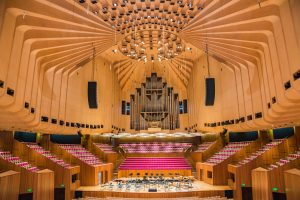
x: 197, y: 186
x: 199, y: 189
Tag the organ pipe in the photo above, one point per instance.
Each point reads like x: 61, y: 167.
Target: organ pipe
x: 154, y: 105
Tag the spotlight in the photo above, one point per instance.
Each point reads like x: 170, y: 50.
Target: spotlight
x: 81, y: 1
x: 114, y: 50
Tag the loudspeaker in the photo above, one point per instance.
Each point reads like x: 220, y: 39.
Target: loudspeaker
x: 180, y: 107
x: 210, y: 91
x: 123, y: 107
x: 92, y: 94
x: 152, y: 190
x: 127, y: 108
x: 184, y: 106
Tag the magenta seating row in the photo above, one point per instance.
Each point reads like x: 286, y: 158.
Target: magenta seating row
x: 204, y: 146
x: 162, y: 163
x: 48, y: 154
x: 226, y: 152
x: 155, y: 147
x: 81, y: 153
x: 17, y: 161
x: 285, y: 160
x: 106, y: 148
x: 259, y: 152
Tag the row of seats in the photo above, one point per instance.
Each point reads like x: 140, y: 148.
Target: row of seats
x: 259, y: 152
x: 106, y: 148
x: 6, y: 155
x: 203, y: 147
x: 48, y: 154
x: 179, y: 198
x: 155, y: 147
x: 155, y: 163
x: 81, y: 153
x: 226, y: 152
x: 285, y: 160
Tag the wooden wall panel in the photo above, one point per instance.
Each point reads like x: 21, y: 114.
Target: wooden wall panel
x: 43, y: 185
x: 10, y: 182
x: 292, y: 182
x: 261, y: 184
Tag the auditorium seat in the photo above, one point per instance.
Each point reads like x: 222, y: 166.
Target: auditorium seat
x: 48, y: 154
x: 81, y: 153
x: 7, y: 156
x: 179, y: 198
x: 226, y: 152
x: 158, y: 163
x: 285, y: 161
x: 259, y: 152
x: 106, y: 148
x: 155, y: 147
x: 203, y: 147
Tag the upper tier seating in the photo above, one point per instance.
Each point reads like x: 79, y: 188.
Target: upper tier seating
x: 48, y: 154
x: 81, y: 153
x: 285, y: 160
x: 159, y: 163
x: 226, y: 152
x: 203, y: 147
x: 106, y: 148
x: 6, y: 155
x: 155, y: 147
x: 260, y: 152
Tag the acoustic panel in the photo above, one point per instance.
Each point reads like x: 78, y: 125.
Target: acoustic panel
x: 92, y: 94
x: 210, y: 91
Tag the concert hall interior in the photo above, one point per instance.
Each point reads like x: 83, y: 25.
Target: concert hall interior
x: 149, y: 99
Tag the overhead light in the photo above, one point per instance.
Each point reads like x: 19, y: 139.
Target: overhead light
x: 114, y: 50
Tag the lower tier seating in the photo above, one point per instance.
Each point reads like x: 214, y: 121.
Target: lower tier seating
x: 155, y: 147
x: 48, y: 154
x: 5, y: 155
x: 163, y: 166
x: 155, y: 163
x: 81, y: 153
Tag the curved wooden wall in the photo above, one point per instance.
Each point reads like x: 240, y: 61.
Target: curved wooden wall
x: 254, y: 57
x: 46, y: 48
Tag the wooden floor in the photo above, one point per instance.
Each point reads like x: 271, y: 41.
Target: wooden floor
x: 200, y: 189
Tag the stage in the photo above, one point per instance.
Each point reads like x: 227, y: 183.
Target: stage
x: 136, y: 190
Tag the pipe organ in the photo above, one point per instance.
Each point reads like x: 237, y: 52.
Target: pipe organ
x: 154, y: 105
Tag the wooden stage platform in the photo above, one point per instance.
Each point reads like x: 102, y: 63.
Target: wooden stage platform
x: 200, y: 189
